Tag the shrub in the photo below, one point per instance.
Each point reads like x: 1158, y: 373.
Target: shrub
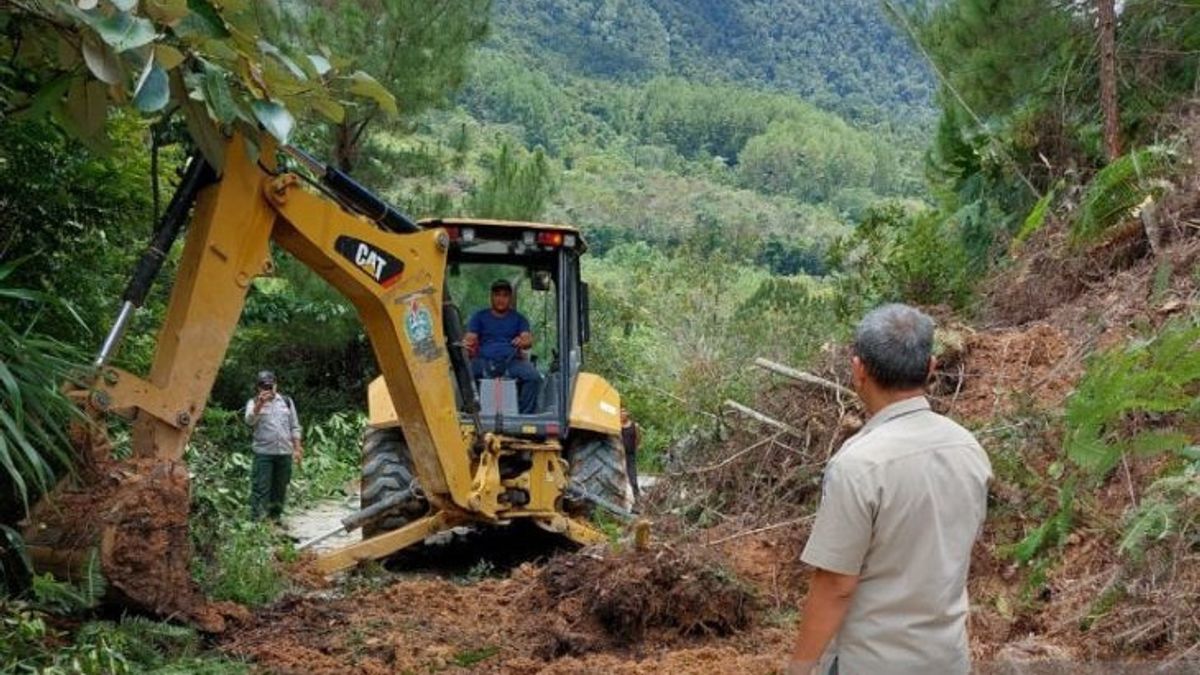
x: 1119, y: 188
x: 1136, y: 399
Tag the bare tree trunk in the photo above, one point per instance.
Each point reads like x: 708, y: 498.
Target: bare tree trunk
x: 1108, y: 78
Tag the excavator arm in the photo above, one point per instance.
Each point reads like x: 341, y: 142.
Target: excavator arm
x: 135, y: 512
x: 394, y: 280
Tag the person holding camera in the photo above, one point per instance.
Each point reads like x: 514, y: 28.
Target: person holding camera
x: 276, y: 444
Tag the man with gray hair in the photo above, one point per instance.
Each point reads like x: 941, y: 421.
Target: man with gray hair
x: 901, y: 505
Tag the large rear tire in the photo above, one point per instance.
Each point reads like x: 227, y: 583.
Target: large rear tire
x: 597, y: 464
x: 386, y: 470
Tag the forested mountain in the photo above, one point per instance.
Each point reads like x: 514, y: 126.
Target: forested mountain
x: 843, y: 56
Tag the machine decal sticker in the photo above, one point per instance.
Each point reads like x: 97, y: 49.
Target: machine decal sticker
x: 608, y: 407
x: 418, y: 324
x: 380, y: 265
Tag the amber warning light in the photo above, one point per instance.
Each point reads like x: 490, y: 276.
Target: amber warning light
x: 555, y: 239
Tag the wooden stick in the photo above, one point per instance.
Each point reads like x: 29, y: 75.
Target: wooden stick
x: 727, y: 460
x: 746, y: 533
x: 802, y: 376
x: 754, y: 414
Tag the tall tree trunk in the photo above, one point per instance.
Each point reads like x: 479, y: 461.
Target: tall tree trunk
x: 1108, y: 78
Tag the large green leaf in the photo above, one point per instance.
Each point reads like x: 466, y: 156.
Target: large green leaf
x: 153, y: 90
x: 87, y: 105
x: 102, y: 61
x: 275, y: 118
x: 273, y: 51
x: 362, y: 84
x: 320, y: 63
x: 217, y: 95
x: 124, y: 31
x: 166, y: 11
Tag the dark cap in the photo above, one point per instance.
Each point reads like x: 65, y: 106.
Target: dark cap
x: 265, y: 378
x: 501, y: 285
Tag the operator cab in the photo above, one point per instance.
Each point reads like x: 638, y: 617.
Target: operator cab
x: 541, y: 265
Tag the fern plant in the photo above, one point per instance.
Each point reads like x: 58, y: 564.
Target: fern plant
x: 1171, y: 506
x: 1119, y: 188
x: 60, y: 597
x: 1153, y: 380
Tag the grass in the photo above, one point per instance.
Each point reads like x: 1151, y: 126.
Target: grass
x: 246, y: 567
x: 471, y: 657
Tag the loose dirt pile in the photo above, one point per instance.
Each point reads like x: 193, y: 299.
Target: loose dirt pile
x: 595, y: 611
x: 690, y: 592
x: 996, y: 372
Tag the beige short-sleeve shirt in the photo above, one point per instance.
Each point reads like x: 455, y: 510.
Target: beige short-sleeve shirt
x: 901, y: 505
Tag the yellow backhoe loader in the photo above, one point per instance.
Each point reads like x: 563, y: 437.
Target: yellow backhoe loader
x: 437, y: 454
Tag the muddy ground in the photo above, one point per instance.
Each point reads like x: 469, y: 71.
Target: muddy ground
x: 719, y: 590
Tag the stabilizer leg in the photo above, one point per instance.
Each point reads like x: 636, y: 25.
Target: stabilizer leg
x: 385, y: 544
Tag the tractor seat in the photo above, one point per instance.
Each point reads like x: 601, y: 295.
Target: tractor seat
x: 498, y: 395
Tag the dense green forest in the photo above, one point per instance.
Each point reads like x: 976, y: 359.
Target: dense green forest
x: 750, y: 176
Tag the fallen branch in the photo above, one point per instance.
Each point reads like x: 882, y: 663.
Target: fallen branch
x: 765, y: 419
x: 727, y: 460
x: 758, y: 530
x: 802, y: 376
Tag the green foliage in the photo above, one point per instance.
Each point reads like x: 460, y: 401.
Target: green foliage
x: 97, y: 225
x: 131, y: 645
x: 418, y: 49
x: 1119, y: 188
x: 897, y: 254
x: 807, y: 159
x: 472, y: 657
x: 845, y: 56
x: 243, y: 567
x: 516, y: 189
x: 78, y: 63
x: 59, y: 597
x: 1157, y: 378
x: 1051, y: 533
x: 1169, y: 508
x: 33, y: 411
x: 1036, y: 218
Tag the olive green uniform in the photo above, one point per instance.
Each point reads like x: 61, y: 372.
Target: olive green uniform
x: 276, y: 428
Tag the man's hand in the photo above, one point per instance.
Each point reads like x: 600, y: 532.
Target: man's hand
x: 261, y: 399
x: 523, y: 341
x: 297, y: 453
x: 471, y: 342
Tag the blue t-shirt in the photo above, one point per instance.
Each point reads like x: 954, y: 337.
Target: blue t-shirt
x: 496, y: 333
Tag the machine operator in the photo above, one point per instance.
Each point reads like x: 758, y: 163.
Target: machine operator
x: 496, y: 339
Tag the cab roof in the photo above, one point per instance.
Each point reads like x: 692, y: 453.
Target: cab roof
x: 498, y: 226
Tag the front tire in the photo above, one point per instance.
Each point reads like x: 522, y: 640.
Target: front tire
x: 597, y: 464
x: 386, y: 470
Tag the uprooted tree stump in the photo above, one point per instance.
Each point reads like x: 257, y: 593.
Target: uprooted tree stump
x: 633, y: 592
x: 134, y: 515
